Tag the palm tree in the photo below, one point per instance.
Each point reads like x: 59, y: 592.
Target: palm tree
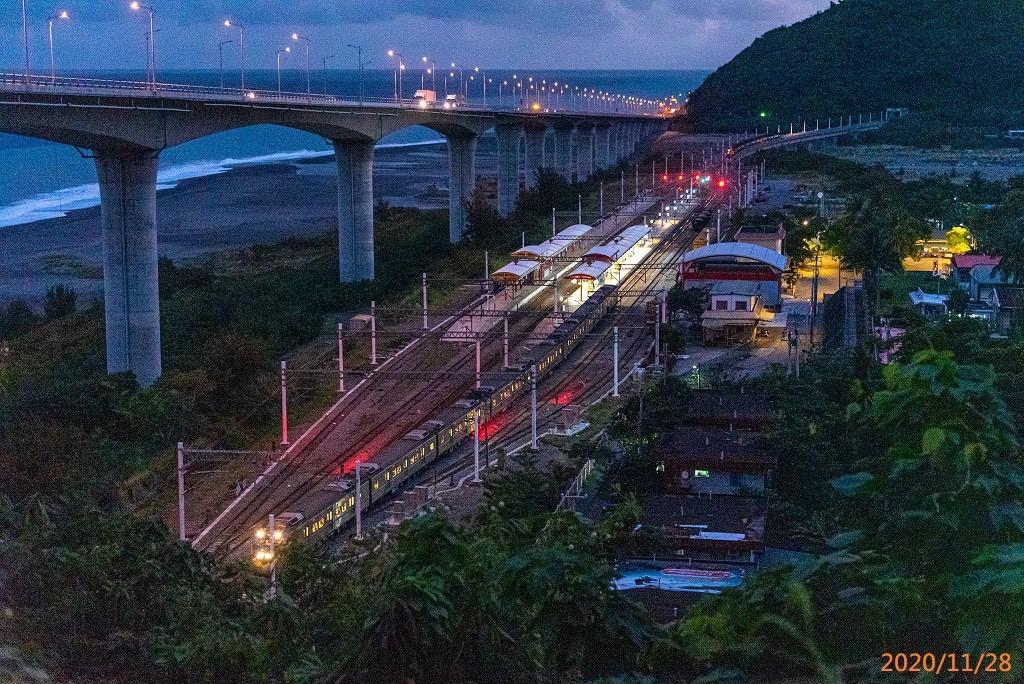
x: 874, y: 236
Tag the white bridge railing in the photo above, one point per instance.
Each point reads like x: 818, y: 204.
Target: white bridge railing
x: 67, y: 85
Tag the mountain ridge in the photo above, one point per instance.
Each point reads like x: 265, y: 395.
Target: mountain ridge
x: 952, y: 60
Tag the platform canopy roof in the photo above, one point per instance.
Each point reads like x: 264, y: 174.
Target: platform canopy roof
x: 589, y: 272
x: 556, y: 245
x: 722, y: 251
x: 516, y: 271
x: 623, y: 242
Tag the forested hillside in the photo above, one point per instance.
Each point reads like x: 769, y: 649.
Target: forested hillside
x: 955, y: 61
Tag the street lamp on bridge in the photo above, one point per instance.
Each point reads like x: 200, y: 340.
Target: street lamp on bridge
x: 279, y: 53
x: 309, y: 85
x: 220, y: 59
x: 135, y: 6
x: 324, y: 61
x: 241, y: 45
x: 399, y: 68
x: 52, y: 18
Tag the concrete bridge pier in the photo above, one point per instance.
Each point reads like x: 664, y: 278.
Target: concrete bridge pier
x: 461, y: 181
x: 603, y: 146
x: 355, y: 209
x: 563, y: 151
x: 534, y: 161
x: 508, y: 135
x: 584, y: 152
x: 130, y: 283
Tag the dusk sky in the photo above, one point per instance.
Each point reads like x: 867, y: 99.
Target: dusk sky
x: 558, y: 34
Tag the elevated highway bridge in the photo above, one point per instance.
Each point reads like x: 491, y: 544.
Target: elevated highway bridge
x: 124, y: 126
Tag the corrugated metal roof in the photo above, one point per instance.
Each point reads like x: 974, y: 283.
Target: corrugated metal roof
x: 590, y: 271
x: 556, y: 245
x: 739, y: 250
x: 515, y: 271
x: 623, y: 242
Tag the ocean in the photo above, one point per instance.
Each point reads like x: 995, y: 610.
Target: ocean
x: 42, y: 180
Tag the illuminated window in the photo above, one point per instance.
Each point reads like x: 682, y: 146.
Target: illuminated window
x: 702, y: 473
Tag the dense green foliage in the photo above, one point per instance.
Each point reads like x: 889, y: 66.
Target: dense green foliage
x: 951, y: 60
x: 96, y: 592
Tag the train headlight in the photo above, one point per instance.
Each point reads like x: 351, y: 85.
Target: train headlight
x: 260, y: 534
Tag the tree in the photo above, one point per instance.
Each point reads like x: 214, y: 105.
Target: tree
x: 17, y: 320
x: 874, y: 236
x: 59, y: 302
x: 959, y: 300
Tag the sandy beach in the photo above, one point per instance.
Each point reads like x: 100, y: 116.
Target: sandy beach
x: 202, y: 217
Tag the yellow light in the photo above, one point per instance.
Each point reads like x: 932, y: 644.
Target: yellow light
x: 227, y: 22
x: 134, y: 6
x: 64, y: 14
x: 536, y: 106
x: 287, y: 49
x: 423, y: 104
x: 295, y: 36
x: 277, y: 535
x: 391, y: 53
x: 251, y: 95
x: 260, y: 534
x: 424, y: 60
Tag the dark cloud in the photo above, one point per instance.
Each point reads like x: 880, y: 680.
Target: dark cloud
x: 555, y: 33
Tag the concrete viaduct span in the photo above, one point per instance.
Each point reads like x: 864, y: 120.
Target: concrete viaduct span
x: 749, y: 145
x: 126, y: 127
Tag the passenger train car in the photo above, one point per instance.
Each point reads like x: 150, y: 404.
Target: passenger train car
x: 454, y: 425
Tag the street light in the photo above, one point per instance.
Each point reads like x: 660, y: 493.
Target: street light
x: 325, y: 60
x: 220, y: 56
x: 241, y: 45
x: 477, y: 69
x: 135, y: 6
x: 359, y: 57
x: 279, y: 53
x: 52, y: 18
x: 400, y: 67
x: 24, y: 31
x: 309, y: 86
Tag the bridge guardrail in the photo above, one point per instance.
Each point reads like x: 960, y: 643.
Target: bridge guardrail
x: 68, y: 85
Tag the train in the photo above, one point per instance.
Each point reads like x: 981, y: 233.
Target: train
x: 437, y: 437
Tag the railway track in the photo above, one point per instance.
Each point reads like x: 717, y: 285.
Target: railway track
x: 581, y: 369
x: 389, y: 426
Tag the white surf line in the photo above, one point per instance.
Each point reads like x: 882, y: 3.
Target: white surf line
x: 288, y: 452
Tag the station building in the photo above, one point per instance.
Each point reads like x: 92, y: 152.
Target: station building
x: 744, y: 265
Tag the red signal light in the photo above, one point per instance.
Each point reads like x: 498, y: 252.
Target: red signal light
x: 665, y: 177
x: 680, y: 176
x: 721, y: 183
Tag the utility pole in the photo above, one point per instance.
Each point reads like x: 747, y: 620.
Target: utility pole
x: 359, y: 502
x: 505, y: 349
x: 284, y: 404
x: 579, y: 208
x: 657, y: 337
x: 425, y: 326
x: 373, y: 333
x: 341, y: 361
x: 476, y: 446
x: 181, y: 491
x: 533, y: 408
x: 478, y: 361
x: 615, y: 362
x: 273, y: 559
